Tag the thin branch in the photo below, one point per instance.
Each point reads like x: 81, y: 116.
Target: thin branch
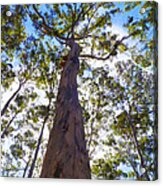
x: 133, y: 166
x: 137, y: 145
x: 112, y: 52
x: 46, y: 26
x: 8, y: 125
x: 10, y: 99
x: 21, y: 83
x: 73, y: 21
x: 85, y: 35
x: 90, y: 140
x: 93, y: 150
x: 82, y: 13
x: 26, y: 167
x: 61, y: 42
x: 79, y: 16
x: 92, y: 127
x: 50, y: 29
x: 91, y: 6
x: 39, y: 142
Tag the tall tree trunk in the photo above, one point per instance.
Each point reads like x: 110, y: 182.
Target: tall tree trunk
x: 10, y: 99
x: 8, y: 125
x: 66, y: 155
x: 4, y: 109
x: 26, y: 167
x: 39, y: 142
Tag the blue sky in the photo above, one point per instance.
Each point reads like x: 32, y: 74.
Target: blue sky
x: 118, y: 20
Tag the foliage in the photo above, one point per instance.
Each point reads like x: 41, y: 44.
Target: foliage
x: 117, y: 84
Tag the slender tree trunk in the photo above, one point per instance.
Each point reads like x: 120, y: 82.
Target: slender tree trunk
x: 66, y: 155
x: 137, y: 147
x: 39, y: 143
x: 8, y: 125
x: 26, y: 168
x: 10, y: 99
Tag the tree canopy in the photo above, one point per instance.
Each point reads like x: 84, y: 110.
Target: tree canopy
x: 117, y: 84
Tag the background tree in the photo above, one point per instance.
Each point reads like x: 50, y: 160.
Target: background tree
x: 117, y: 78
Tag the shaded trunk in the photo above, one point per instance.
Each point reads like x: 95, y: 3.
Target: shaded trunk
x: 11, y: 98
x: 8, y: 125
x: 37, y: 149
x: 142, y: 162
x: 66, y: 155
x: 26, y: 168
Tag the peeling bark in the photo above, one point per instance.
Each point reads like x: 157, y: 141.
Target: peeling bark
x: 66, y: 155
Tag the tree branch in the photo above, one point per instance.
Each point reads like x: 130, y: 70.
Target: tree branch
x: 39, y: 142
x: 86, y: 29
x: 137, y: 145
x: 46, y: 26
x: 91, y: 133
x: 132, y: 164
x: 10, y: 99
x: 6, y: 128
x: 113, y: 50
x: 73, y: 20
x: 26, y: 167
x: 82, y: 13
x: 50, y: 29
x: 134, y: 168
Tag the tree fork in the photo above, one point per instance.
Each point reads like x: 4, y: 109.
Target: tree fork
x: 66, y: 155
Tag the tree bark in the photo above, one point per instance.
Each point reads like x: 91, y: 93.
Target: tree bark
x: 66, y: 155
x: 10, y: 99
x: 26, y: 168
x: 30, y: 174
x: 8, y: 125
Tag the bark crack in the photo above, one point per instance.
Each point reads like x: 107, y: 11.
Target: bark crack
x: 67, y: 147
